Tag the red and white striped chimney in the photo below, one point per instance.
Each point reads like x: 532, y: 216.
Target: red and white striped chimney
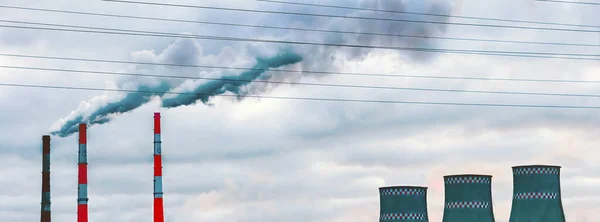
x: 158, y: 189
x: 82, y: 197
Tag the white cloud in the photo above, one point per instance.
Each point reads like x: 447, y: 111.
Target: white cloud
x: 292, y: 160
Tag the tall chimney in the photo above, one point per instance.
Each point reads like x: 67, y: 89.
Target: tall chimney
x: 468, y: 198
x: 45, y: 211
x: 158, y: 190
x: 82, y: 197
x: 536, y: 194
x: 403, y: 203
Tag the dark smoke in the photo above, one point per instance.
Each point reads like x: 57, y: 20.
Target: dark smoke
x: 204, y: 92
x: 232, y: 84
x: 321, y: 58
x: 403, y: 28
x: 102, y: 115
x: 324, y: 57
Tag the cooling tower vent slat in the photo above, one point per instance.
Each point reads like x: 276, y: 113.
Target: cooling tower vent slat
x: 536, y: 170
x: 471, y: 204
x: 402, y: 216
x: 402, y: 192
x: 468, y: 179
x: 520, y: 196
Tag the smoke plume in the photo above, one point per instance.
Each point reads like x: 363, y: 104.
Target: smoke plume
x: 232, y: 84
x: 326, y: 58
x: 102, y: 109
x: 99, y: 111
x: 103, y: 113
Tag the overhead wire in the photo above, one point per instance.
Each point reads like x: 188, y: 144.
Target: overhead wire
x: 353, y: 17
x: 135, y: 32
x: 298, y: 29
x: 225, y: 79
x: 226, y: 37
x: 307, y: 98
x: 302, y: 71
x: 570, y: 2
x: 552, y: 55
x: 426, y: 14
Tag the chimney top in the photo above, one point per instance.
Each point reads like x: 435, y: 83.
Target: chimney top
x: 415, y: 187
x: 532, y: 166
x: 467, y: 175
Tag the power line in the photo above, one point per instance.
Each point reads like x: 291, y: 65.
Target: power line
x: 322, y: 44
x: 222, y: 38
x: 301, y: 83
x: 310, y: 98
x: 570, y: 2
x: 353, y: 17
x: 304, y: 71
x: 427, y: 14
x: 299, y: 29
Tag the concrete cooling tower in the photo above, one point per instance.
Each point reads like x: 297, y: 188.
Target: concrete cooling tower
x: 468, y: 198
x: 403, y: 203
x: 536, y: 194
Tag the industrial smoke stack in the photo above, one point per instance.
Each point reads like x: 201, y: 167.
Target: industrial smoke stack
x: 403, y: 203
x: 158, y: 191
x: 45, y: 211
x: 82, y: 197
x: 468, y: 198
x: 536, y: 194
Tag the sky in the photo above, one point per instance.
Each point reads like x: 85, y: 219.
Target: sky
x: 247, y: 159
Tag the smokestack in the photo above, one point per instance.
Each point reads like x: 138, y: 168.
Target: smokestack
x: 45, y: 212
x: 82, y: 197
x: 468, y: 198
x: 536, y: 194
x: 403, y: 203
x: 158, y: 191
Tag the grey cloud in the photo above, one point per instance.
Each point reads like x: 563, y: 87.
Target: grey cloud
x: 17, y: 38
x: 264, y: 160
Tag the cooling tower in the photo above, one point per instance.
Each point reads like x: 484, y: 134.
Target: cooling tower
x: 82, y: 198
x: 158, y: 191
x: 403, y: 203
x: 45, y: 211
x: 468, y: 198
x: 536, y: 194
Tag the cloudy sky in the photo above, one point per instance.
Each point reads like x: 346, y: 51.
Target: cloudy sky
x: 261, y: 159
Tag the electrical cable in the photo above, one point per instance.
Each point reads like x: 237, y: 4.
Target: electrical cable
x: 302, y: 71
x: 426, y: 14
x: 352, y: 17
x: 299, y: 83
x: 309, y: 98
x: 222, y: 38
x: 570, y: 2
x: 298, y: 29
